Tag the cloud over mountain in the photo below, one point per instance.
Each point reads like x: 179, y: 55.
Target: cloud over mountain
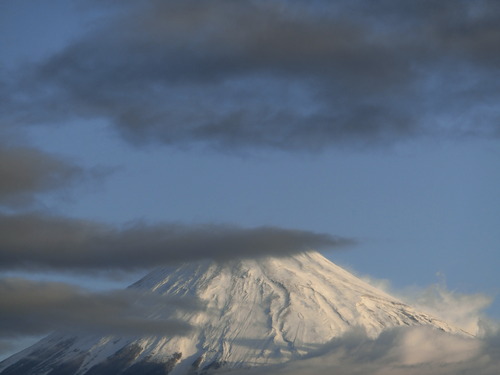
x: 37, y: 241
x: 40, y: 307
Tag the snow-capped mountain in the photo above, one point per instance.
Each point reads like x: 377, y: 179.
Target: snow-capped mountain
x: 258, y: 312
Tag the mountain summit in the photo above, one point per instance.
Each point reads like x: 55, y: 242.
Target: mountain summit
x: 257, y: 312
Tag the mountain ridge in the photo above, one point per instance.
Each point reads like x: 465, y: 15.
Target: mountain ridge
x: 258, y: 312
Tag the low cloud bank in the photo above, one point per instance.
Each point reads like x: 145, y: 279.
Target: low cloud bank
x: 37, y: 241
x: 399, y: 351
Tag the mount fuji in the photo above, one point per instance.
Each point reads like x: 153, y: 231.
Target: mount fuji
x: 256, y: 312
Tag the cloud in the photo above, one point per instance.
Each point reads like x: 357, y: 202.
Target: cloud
x: 459, y: 309
x: 27, y: 172
x: 465, y: 311
x: 399, y: 351
x: 33, y: 308
x: 37, y: 241
x: 6, y: 346
x: 274, y: 74
x: 28, y: 308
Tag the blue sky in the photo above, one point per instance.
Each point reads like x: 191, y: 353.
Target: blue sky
x: 318, y: 118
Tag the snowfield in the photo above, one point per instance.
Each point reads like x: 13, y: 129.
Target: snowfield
x: 256, y: 312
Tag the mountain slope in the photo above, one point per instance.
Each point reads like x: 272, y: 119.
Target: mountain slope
x: 259, y: 311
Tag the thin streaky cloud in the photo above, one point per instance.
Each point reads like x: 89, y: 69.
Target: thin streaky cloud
x: 39, y: 241
x: 34, y: 308
x: 26, y: 173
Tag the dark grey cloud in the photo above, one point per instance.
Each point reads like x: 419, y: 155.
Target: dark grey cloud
x: 275, y: 74
x: 26, y: 172
x: 400, y: 351
x: 6, y: 346
x: 33, y: 308
x: 31, y: 241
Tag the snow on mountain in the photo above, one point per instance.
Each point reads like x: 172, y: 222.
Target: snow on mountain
x: 258, y: 312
